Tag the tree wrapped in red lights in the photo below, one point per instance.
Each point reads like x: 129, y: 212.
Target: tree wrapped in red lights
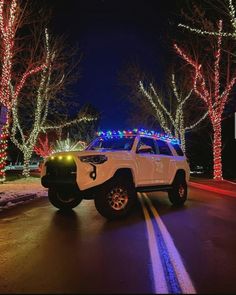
x: 10, y: 19
x: 207, y: 86
x: 44, y: 146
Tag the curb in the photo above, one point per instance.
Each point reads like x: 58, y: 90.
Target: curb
x: 213, y: 189
x: 20, y: 198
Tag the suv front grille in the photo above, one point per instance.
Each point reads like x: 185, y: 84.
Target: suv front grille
x: 61, y: 168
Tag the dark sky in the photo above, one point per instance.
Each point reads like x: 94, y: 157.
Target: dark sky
x: 110, y: 35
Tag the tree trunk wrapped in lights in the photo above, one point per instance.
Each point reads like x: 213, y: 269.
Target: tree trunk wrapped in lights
x: 10, y: 20
x: 217, y: 147
x: 172, y: 122
x: 211, y: 95
x: 7, y: 34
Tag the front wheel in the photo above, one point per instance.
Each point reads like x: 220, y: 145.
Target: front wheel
x: 178, y: 193
x: 64, y: 199
x: 115, y: 199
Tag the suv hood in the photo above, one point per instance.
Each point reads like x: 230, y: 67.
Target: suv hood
x: 90, y: 152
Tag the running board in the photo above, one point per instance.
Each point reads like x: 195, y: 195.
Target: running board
x: 153, y: 188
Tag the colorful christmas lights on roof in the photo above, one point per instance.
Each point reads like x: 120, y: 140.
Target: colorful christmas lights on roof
x: 134, y: 132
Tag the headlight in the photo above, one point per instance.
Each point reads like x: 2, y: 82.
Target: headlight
x: 94, y: 159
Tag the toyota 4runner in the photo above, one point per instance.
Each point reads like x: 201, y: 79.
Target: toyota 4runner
x: 113, y: 168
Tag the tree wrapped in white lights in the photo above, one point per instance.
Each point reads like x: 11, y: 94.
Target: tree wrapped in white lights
x: 68, y: 145
x: 171, y: 121
x: 26, y: 141
x: 10, y: 87
x: 209, y: 88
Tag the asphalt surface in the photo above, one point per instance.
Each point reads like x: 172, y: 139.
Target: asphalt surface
x: 45, y: 251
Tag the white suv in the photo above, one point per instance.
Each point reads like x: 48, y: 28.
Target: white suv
x: 113, y: 168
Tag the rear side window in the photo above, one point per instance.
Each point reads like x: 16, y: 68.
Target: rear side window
x: 178, y: 149
x: 163, y: 148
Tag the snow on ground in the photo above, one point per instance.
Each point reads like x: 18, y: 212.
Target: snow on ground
x: 20, y: 190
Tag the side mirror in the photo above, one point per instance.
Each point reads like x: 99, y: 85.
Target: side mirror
x: 144, y: 149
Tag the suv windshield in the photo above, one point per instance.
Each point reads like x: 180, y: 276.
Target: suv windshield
x: 114, y: 143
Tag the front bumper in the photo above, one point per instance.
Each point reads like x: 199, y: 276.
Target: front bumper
x: 59, y: 171
x: 52, y: 181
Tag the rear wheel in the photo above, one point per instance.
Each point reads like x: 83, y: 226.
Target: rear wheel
x: 115, y: 199
x: 178, y: 193
x: 64, y: 199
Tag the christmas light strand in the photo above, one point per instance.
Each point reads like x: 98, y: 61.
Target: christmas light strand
x: 7, y: 34
x: 72, y: 122
x: 44, y: 147
x: 162, y: 105
x: 217, y: 65
x: 25, y: 77
x: 232, y: 17
x: 159, y: 113
x: 199, y: 84
x: 201, y: 32
x: 134, y: 132
x: 204, y: 33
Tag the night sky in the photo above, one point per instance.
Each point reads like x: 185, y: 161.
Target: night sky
x: 112, y: 34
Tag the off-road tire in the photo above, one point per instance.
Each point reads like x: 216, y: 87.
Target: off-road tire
x: 179, y: 192
x: 107, y: 204
x: 64, y: 198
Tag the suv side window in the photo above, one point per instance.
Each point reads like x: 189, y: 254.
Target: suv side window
x: 178, y: 149
x: 163, y: 148
x: 147, y: 141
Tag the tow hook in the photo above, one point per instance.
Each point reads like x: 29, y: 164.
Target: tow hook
x: 93, y: 174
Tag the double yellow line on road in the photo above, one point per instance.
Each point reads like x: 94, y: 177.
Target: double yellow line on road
x: 169, y: 273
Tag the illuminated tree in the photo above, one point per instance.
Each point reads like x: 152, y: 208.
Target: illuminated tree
x: 171, y: 120
x: 207, y: 84
x: 67, y: 145
x: 41, y: 96
x: 44, y: 146
x: 10, y: 19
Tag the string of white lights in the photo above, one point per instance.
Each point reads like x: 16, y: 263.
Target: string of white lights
x: 159, y: 114
x: 67, y: 124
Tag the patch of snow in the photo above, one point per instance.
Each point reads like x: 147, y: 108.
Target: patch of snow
x: 21, y: 190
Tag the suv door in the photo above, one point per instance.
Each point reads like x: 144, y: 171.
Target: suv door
x: 145, y: 162
x: 165, y: 163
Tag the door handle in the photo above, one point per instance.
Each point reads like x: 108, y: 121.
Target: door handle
x: 172, y: 160
x: 158, y: 160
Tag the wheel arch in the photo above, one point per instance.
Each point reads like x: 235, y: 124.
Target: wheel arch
x: 125, y: 172
x: 179, y: 173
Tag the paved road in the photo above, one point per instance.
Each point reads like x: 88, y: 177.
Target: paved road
x: 189, y: 249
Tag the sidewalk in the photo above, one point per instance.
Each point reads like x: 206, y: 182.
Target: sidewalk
x: 223, y: 187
